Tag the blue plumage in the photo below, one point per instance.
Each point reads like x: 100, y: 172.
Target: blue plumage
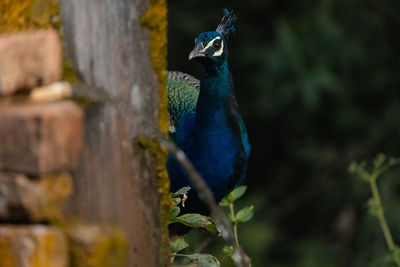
x: 210, y: 131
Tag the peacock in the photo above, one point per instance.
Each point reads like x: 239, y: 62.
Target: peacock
x: 204, y: 120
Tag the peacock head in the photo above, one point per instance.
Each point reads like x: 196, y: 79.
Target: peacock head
x: 211, y: 47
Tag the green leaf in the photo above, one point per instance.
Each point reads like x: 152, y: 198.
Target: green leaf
x: 174, y: 212
x: 358, y: 170
x: 232, y: 218
x: 353, y: 168
x: 379, y: 160
x: 195, y: 220
x: 393, y: 255
x: 181, y: 192
x: 237, y: 193
x: 224, y: 202
x: 176, y: 201
x: 204, y: 260
x: 178, y: 245
x: 228, y: 251
x: 232, y: 196
x: 244, y: 214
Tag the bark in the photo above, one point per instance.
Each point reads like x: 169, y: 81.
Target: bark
x: 114, y: 183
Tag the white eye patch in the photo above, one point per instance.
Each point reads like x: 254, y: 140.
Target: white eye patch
x: 219, y: 51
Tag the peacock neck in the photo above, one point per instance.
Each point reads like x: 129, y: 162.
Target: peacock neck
x: 216, y: 96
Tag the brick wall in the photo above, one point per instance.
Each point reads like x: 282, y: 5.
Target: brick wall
x: 40, y: 144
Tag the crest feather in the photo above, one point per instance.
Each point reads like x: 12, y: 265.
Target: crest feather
x: 226, y: 27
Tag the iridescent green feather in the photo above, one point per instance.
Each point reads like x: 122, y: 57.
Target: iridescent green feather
x: 183, y: 91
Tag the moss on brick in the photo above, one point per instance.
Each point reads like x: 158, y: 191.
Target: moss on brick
x: 96, y: 245
x: 6, y: 255
x: 32, y: 245
x: 24, y: 15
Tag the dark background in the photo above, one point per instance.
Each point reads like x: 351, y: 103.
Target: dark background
x: 318, y: 86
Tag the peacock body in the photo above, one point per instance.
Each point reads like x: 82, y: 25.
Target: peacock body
x: 204, y: 120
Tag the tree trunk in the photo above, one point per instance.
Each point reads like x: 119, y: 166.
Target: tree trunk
x: 115, y: 183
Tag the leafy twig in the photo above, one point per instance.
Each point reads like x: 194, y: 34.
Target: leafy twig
x: 232, y: 213
x: 243, y: 215
x: 380, y: 167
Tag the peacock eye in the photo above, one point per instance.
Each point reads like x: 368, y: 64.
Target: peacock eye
x: 217, y: 44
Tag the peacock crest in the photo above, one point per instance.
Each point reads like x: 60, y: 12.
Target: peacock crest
x: 226, y: 27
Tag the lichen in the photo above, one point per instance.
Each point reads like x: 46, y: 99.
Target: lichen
x: 156, y: 20
x: 22, y: 15
x: 96, y: 245
x: 56, y: 189
x: 7, y: 257
x: 165, y: 205
x: 46, y: 248
x: 151, y: 145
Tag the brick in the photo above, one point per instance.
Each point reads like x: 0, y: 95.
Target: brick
x: 40, y: 138
x: 32, y: 246
x: 28, y: 60
x: 24, y: 199
x: 96, y: 245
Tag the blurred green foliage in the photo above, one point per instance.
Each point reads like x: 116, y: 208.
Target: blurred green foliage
x: 318, y: 84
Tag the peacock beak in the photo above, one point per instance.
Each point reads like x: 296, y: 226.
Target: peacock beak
x: 197, y: 51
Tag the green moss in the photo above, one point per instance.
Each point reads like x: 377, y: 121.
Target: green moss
x: 156, y: 20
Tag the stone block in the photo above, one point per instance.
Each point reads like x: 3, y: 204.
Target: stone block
x: 28, y: 60
x: 32, y: 246
x: 52, y: 92
x: 40, y: 138
x: 24, y: 199
x: 96, y: 246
